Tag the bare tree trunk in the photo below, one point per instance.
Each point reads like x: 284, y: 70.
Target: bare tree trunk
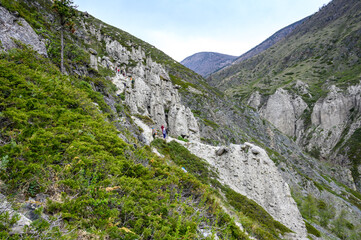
x: 62, y: 50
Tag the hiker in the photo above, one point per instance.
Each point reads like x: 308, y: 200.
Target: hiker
x: 132, y: 80
x: 164, y: 131
x: 154, y: 133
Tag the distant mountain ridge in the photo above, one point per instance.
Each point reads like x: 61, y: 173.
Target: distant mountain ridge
x: 205, y: 63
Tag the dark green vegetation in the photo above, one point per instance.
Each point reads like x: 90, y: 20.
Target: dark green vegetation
x: 352, y: 149
x: 312, y: 230
x: 253, y: 217
x: 56, y: 141
x: 60, y: 137
x: 323, y: 214
x: 183, y: 158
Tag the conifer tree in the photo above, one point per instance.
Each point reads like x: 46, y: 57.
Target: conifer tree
x: 65, y: 10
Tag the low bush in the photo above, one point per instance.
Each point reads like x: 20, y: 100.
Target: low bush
x: 56, y: 141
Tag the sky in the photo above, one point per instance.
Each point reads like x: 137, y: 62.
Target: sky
x: 181, y: 28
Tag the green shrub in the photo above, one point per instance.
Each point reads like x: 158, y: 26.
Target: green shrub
x: 182, y: 157
x: 58, y: 142
x: 182, y: 139
x: 268, y: 227
x: 145, y: 119
x: 312, y: 230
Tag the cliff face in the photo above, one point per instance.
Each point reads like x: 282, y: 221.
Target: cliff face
x: 333, y: 120
x: 13, y: 27
x: 247, y: 169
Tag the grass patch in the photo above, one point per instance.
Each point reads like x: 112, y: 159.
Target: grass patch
x: 147, y: 120
x: 312, y: 230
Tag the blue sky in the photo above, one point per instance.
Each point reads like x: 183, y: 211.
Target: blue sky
x: 181, y: 28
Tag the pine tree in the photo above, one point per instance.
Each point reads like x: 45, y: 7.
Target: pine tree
x: 65, y: 9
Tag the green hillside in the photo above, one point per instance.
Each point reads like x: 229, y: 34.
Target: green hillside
x: 60, y: 138
x: 72, y: 158
x: 324, y: 50
x: 56, y: 141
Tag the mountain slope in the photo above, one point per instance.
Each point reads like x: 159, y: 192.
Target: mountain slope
x: 79, y: 161
x: 205, y: 63
x: 315, y: 71
x: 269, y: 42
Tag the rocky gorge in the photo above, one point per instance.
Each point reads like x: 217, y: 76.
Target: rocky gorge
x: 254, y: 158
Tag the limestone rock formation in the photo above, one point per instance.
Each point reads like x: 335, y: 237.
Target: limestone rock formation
x: 12, y: 27
x: 255, y: 100
x: 182, y: 122
x: 151, y: 93
x: 284, y: 111
x: 147, y: 88
x: 333, y: 120
x: 93, y: 59
x: 247, y: 169
x: 331, y: 116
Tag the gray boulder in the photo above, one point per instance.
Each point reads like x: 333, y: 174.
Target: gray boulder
x: 222, y: 150
x: 13, y: 27
x: 18, y: 227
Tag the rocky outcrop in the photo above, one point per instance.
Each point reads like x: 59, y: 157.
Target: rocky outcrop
x: 331, y: 117
x: 182, y: 122
x: 248, y: 170
x: 151, y: 93
x: 255, y: 100
x: 148, y: 91
x: 93, y: 59
x: 14, y: 27
x: 332, y: 121
x: 146, y: 85
x: 18, y: 227
x: 283, y: 111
